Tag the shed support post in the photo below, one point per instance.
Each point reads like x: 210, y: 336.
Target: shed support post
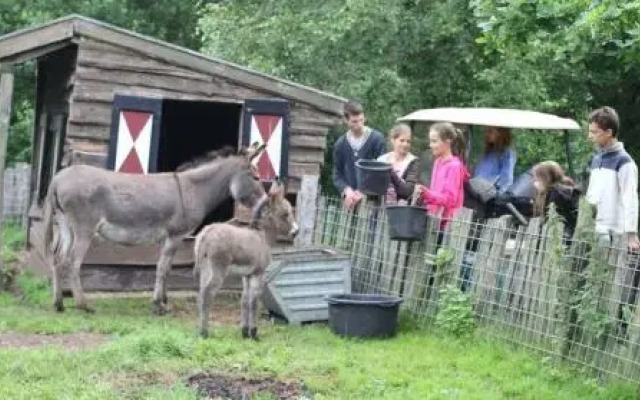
x: 306, y: 208
x: 6, y: 94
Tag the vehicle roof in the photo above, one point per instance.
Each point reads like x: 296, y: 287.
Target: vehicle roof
x: 500, y: 117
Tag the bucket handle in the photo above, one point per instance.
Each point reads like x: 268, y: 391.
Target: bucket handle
x: 415, y: 194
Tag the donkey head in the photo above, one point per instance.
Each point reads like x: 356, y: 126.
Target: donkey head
x: 245, y: 185
x: 276, y: 213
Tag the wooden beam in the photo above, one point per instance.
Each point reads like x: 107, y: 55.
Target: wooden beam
x: 27, y: 43
x: 306, y: 209
x: 6, y: 94
x: 35, y: 53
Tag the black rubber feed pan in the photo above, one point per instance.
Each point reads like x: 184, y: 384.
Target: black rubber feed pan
x: 373, y: 176
x: 363, y: 315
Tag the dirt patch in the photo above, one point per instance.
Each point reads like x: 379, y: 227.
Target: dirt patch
x: 71, y: 341
x: 128, y: 381
x: 217, y: 386
x: 225, y: 310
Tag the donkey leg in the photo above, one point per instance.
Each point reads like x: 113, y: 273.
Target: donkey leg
x: 254, y: 289
x: 81, y: 245
x: 59, y: 264
x: 58, y: 302
x: 167, y: 252
x: 211, y: 279
x: 62, y: 246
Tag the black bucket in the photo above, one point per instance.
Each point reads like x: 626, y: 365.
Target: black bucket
x: 363, y: 315
x: 373, y: 176
x: 406, y: 222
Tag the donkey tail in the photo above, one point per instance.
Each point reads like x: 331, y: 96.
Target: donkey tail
x: 51, y: 201
x: 198, y: 252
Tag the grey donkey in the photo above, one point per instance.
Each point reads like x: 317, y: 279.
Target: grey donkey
x: 248, y: 248
x: 132, y: 209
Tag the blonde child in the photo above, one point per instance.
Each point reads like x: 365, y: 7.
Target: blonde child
x: 405, y: 166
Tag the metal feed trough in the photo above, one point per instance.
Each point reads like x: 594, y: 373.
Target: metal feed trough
x: 298, y: 281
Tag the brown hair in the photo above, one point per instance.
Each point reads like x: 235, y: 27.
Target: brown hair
x: 448, y: 131
x: 550, y: 174
x: 352, y: 108
x: 606, y: 118
x: 399, y: 130
x: 502, y: 142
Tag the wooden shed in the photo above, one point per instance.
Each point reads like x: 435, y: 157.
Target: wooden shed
x: 113, y: 98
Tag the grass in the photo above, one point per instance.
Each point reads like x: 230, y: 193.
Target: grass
x: 13, y: 238
x: 150, y: 357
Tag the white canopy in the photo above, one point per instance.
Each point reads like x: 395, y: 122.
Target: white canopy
x: 503, y: 117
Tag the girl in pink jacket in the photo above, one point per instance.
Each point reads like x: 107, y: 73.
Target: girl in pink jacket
x: 449, y: 171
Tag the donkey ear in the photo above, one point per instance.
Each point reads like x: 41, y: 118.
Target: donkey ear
x: 255, y: 149
x: 276, y: 188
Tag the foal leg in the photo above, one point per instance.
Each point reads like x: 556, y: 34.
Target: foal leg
x: 244, y: 308
x: 211, y: 279
x: 164, y: 265
x: 252, y: 288
x: 81, y: 244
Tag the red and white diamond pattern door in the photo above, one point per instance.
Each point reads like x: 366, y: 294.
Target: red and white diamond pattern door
x: 134, y: 134
x: 267, y: 121
x: 134, y: 142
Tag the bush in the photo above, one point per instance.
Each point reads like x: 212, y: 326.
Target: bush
x: 455, y: 316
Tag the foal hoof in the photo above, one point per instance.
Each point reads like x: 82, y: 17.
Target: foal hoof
x: 58, y: 306
x: 204, y: 334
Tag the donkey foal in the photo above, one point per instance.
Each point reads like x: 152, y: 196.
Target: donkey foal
x: 220, y: 245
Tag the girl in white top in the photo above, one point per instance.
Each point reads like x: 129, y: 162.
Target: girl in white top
x: 405, y: 166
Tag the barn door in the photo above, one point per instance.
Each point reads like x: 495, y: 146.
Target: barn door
x: 135, y: 126
x: 267, y: 121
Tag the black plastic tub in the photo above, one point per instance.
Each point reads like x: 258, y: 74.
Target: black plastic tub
x: 363, y: 315
x: 408, y: 223
x: 373, y: 176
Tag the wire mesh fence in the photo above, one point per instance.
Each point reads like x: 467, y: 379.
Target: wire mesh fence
x: 15, y: 200
x: 574, y: 298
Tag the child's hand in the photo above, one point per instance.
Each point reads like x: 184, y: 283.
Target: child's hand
x: 357, y: 196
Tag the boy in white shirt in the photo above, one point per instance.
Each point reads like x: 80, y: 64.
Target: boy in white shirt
x: 613, y: 180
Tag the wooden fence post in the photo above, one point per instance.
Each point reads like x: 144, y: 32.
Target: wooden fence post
x: 6, y: 94
x: 306, y: 207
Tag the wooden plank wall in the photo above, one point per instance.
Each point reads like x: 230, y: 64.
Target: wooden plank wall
x: 103, y: 70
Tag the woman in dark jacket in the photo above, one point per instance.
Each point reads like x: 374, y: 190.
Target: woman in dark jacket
x: 555, y: 187
x: 406, y: 166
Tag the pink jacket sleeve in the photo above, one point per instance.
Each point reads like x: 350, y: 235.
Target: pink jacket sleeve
x: 450, y: 193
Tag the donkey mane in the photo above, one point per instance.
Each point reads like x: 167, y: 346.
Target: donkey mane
x: 211, y: 156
